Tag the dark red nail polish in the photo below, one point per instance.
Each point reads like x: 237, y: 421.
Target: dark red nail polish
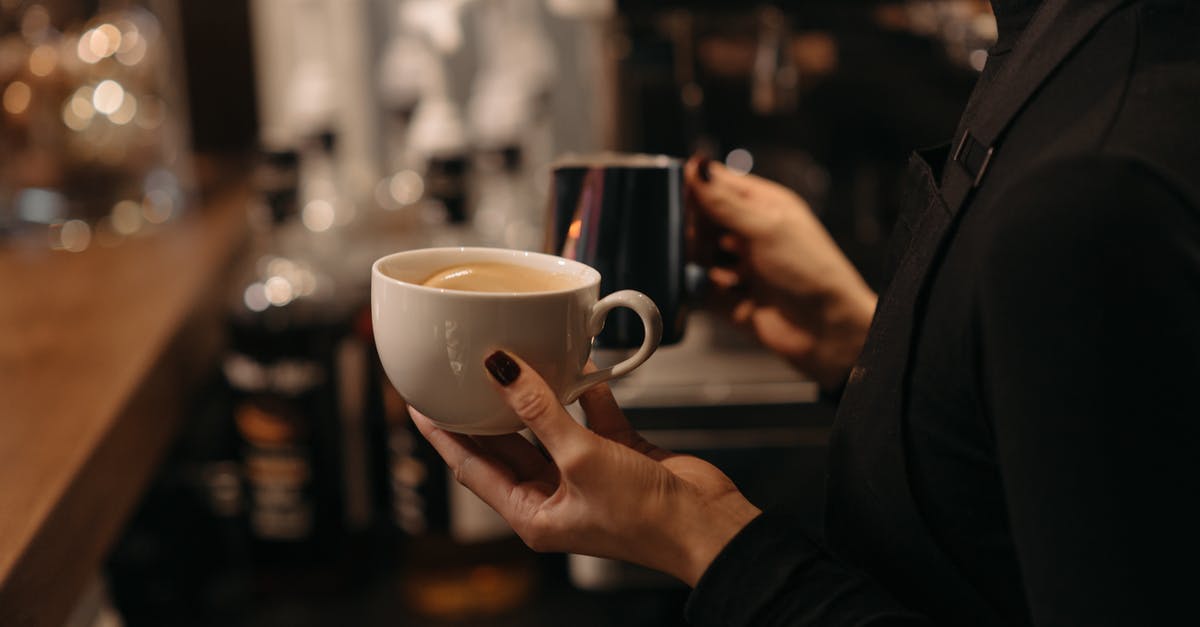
x: 702, y: 169
x: 502, y: 368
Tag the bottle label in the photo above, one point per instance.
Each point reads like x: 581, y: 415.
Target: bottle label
x: 289, y: 377
x: 408, y: 474
x: 277, y: 469
x: 352, y: 389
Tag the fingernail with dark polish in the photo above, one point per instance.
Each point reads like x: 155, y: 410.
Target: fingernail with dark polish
x: 502, y: 368
x: 702, y: 169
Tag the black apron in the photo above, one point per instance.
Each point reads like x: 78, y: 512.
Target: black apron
x: 872, y: 519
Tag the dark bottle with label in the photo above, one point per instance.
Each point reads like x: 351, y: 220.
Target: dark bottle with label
x: 459, y: 560
x: 295, y: 374
x: 446, y: 181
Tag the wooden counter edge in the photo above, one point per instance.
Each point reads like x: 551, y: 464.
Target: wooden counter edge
x: 71, y: 543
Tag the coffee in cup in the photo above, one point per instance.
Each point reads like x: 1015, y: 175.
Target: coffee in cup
x: 492, y: 276
x: 438, y: 313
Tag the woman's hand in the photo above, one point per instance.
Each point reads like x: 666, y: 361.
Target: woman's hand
x: 605, y: 492
x: 789, y: 283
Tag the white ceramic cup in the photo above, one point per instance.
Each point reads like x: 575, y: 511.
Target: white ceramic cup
x: 433, y: 341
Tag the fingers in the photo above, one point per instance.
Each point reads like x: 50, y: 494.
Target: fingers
x: 732, y: 298
x: 471, y: 466
x: 537, y: 406
x: 732, y: 245
x: 526, y: 461
x: 702, y: 173
x: 724, y: 278
x: 604, y: 416
x: 607, y: 420
x: 742, y: 312
x: 722, y: 195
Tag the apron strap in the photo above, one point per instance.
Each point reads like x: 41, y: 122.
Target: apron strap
x: 1056, y: 29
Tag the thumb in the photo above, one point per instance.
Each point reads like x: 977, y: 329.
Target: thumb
x: 528, y: 395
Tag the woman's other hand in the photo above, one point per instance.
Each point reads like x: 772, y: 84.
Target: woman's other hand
x: 605, y: 492
x: 784, y: 277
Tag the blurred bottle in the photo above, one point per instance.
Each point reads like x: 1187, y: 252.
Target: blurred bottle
x: 506, y: 212
x: 426, y: 143
x: 297, y: 370
x: 508, y: 115
x: 406, y: 68
x: 460, y: 560
x: 186, y: 545
x: 436, y: 144
x: 512, y: 90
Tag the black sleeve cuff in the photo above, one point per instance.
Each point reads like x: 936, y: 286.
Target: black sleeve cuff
x: 750, y: 571
x: 773, y: 575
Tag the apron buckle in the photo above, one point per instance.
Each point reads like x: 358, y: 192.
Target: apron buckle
x: 973, y: 156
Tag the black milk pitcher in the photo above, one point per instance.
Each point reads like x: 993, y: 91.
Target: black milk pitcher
x: 623, y: 214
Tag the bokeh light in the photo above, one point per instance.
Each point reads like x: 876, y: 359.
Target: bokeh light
x: 35, y: 22
x: 255, y: 297
x: 126, y: 217
x: 103, y: 41
x: 133, y: 47
x: 739, y: 160
x: 278, y: 291
x: 16, y: 97
x: 317, y: 215
x: 71, y: 117
x: 125, y: 113
x: 84, y: 48
x: 978, y: 58
x: 158, y: 206
x: 406, y: 187
x: 42, y: 60
x: 81, y: 103
x: 75, y: 235
x: 108, y: 97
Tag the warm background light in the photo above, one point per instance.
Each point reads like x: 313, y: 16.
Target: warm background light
x: 42, y: 60
x: 108, y: 97
x: 16, y: 97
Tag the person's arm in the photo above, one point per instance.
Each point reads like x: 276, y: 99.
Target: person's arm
x: 1089, y: 327
x: 783, y: 276
x: 608, y: 492
x: 603, y: 491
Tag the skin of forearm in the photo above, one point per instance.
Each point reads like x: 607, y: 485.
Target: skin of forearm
x: 846, y: 322
x: 698, y: 531
x: 839, y: 303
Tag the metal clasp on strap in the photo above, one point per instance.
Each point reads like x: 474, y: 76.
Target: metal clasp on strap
x: 973, y: 156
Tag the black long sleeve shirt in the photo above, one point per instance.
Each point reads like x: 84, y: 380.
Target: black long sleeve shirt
x: 1054, y: 425
x: 1052, y: 416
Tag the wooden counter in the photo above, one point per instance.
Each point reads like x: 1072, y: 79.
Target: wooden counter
x: 98, y: 351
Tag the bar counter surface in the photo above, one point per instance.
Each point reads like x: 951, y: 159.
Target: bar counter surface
x: 98, y: 351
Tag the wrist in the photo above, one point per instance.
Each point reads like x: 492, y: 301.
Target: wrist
x: 845, y: 320
x: 707, y: 528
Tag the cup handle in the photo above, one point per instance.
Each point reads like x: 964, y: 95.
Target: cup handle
x: 651, y: 321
